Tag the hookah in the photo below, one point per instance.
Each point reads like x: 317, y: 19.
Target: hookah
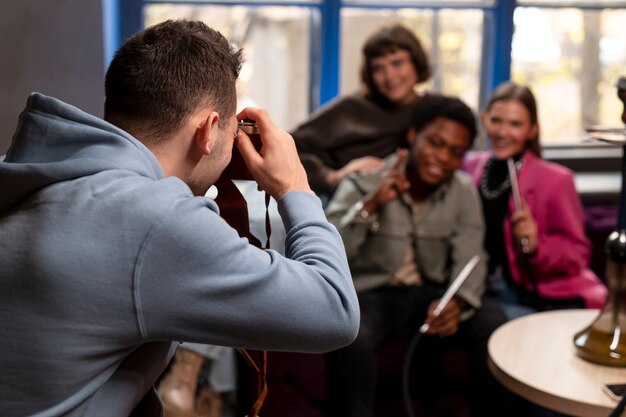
x: 604, y: 340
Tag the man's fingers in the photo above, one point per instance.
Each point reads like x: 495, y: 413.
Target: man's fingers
x: 402, y: 154
x: 260, y: 116
x: 247, y: 150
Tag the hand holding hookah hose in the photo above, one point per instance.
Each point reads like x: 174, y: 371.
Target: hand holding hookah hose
x: 517, y: 200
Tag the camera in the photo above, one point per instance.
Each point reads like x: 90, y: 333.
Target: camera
x: 237, y: 169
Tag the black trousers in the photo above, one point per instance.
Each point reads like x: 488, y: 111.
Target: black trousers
x: 391, y: 313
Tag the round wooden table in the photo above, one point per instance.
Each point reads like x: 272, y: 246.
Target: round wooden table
x: 534, y: 356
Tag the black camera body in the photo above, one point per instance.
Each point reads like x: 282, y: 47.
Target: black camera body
x: 237, y: 169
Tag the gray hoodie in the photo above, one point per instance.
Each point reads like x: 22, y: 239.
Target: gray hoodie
x: 104, y: 262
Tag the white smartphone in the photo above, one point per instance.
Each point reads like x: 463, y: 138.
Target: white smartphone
x: 615, y: 391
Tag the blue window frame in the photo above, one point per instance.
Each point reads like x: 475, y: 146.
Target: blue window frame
x: 325, y: 77
x: 497, y: 46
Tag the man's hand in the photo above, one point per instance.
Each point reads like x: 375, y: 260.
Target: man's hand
x: 276, y: 168
x: 447, y: 323
x: 391, y: 184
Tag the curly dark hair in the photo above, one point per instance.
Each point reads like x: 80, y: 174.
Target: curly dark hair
x: 164, y: 73
x: 386, y: 40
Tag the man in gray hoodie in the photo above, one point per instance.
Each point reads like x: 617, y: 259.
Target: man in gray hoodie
x: 110, y: 252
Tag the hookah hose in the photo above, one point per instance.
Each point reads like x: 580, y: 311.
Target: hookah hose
x: 441, y: 305
x: 406, y: 379
x: 406, y: 374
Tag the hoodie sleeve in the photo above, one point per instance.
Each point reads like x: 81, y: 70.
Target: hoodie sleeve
x: 197, y: 280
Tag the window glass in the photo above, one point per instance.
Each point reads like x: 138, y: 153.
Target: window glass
x: 455, y: 55
x: 571, y: 58
x: 246, y: 1
x: 588, y: 3
x: 276, y: 42
x: 423, y: 3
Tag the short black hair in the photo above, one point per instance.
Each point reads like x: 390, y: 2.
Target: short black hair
x: 432, y: 106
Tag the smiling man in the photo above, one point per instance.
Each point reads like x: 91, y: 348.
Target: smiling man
x: 409, y: 229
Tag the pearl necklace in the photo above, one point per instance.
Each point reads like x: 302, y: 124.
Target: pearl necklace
x: 504, y: 185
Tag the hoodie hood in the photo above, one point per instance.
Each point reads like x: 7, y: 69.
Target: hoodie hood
x: 56, y: 142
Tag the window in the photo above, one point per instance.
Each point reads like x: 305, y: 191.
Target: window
x: 301, y: 53
x: 455, y: 55
x: 571, y: 58
x: 276, y: 43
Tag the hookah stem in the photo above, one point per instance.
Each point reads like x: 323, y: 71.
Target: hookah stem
x: 621, y: 218
x: 621, y: 225
x: 616, y: 302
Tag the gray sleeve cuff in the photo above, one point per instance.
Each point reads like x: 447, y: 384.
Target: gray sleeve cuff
x: 299, y: 206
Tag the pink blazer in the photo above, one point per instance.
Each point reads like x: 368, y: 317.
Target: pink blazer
x: 560, y: 265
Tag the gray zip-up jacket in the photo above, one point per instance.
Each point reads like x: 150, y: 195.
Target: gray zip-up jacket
x: 104, y: 262
x: 449, y: 232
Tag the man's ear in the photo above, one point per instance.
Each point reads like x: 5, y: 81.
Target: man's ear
x: 207, y: 132
x: 411, y: 136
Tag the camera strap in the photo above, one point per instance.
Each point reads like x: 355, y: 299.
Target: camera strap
x: 234, y: 209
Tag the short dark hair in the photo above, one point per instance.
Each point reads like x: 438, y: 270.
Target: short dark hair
x: 164, y: 73
x: 523, y: 95
x: 432, y: 106
x: 386, y: 40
